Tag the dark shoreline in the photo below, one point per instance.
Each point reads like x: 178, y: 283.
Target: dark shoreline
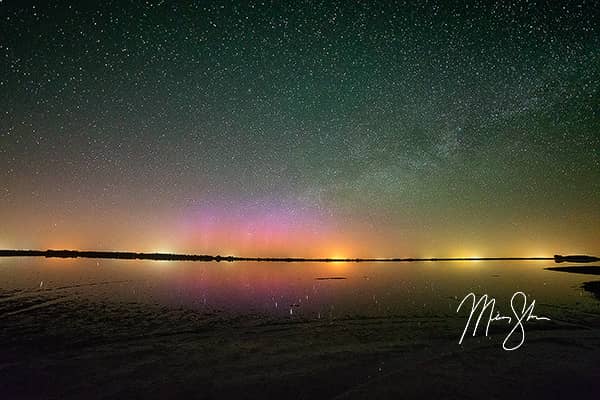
x: 202, y: 257
x: 587, y: 270
x: 592, y: 287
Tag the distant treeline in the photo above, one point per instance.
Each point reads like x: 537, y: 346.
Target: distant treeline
x: 203, y: 257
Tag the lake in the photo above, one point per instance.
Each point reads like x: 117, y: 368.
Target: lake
x: 72, y: 328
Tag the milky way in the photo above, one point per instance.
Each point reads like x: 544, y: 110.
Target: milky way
x: 301, y: 128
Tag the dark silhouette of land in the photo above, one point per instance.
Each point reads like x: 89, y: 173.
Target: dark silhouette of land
x: 121, y: 255
x: 592, y: 287
x: 575, y: 258
x: 588, y: 270
x: 203, y: 257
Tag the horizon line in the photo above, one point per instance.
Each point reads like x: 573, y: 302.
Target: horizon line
x: 52, y: 253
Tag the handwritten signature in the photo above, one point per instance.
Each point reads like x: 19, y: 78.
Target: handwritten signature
x: 521, y: 314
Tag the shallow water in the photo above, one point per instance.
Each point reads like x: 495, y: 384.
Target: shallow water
x: 246, y: 329
x: 307, y: 289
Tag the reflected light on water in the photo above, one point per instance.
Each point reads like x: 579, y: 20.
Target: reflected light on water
x: 537, y: 253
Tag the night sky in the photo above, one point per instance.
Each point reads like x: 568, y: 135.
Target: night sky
x: 304, y: 128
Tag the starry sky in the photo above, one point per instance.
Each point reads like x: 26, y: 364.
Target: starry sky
x: 301, y: 128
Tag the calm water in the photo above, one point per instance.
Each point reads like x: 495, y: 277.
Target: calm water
x: 273, y: 289
x: 277, y: 330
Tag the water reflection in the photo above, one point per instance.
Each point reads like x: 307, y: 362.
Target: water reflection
x: 299, y: 289
x: 283, y: 330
